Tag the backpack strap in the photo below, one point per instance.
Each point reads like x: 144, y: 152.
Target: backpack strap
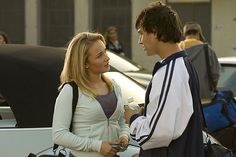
x: 74, y: 100
x: 74, y: 103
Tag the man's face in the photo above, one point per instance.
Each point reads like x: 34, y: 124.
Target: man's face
x: 148, y: 41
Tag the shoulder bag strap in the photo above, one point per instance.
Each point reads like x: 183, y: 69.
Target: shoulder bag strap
x: 205, y: 45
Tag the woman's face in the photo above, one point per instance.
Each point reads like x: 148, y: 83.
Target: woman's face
x: 113, y: 35
x: 2, y: 40
x: 98, y: 60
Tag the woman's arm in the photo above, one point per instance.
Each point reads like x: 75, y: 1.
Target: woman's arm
x: 61, y: 123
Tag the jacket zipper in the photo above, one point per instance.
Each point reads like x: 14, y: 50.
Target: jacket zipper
x: 108, y: 125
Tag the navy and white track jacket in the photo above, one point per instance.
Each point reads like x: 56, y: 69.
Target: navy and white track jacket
x: 171, y: 123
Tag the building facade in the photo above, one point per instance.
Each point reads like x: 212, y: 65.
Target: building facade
x: 55, y: 22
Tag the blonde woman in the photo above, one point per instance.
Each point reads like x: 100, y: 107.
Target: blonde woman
x: 99, y: 115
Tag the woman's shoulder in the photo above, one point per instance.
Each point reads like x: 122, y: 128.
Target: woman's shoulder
x: 115, y: 85
x: 68, y: 87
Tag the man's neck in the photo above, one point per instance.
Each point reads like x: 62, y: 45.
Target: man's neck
x: 167, y: 49
x: 196, y: 37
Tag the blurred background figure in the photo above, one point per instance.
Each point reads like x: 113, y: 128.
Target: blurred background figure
x: 192, y: 35
x: 3, y: 38
x: 112, y: 42
x: 203, y: 58
x: 3, y: 101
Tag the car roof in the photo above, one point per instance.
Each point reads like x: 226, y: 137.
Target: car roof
x: 227, y: 60
x: 30, y: 75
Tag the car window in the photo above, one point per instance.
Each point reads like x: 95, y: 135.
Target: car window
x: 122, y: 64
x: 228, y: 78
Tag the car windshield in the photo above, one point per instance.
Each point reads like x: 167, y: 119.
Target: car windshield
x: 122, y: 64
x: 228, y: 77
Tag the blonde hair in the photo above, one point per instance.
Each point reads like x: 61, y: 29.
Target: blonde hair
x: 76, y: 57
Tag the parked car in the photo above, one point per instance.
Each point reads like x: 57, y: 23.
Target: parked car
x: 29, y: 81
x: 228, y: 73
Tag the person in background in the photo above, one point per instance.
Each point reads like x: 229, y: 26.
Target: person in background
x: 3, y: 38
x: 194, y: 45
x: 170, y: 125
x: 112, y: 42
x: 99, y: 116
x: 3, y: 101
x: 193, y: 35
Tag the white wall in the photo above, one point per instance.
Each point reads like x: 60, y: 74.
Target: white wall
x: 82, y: 15
x: 31, y: 22
x: 224, y: 27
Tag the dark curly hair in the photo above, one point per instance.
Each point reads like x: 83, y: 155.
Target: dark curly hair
x: 161, y: 20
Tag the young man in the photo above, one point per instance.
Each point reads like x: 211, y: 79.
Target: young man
x: 171, y: 123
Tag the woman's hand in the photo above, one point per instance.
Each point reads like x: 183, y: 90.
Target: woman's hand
x: 107, y: 150
x: 124, y: 141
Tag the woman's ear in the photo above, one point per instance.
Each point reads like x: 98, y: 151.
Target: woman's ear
x: 86, y: 66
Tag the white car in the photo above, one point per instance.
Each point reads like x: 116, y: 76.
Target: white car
x: 29, y: 81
